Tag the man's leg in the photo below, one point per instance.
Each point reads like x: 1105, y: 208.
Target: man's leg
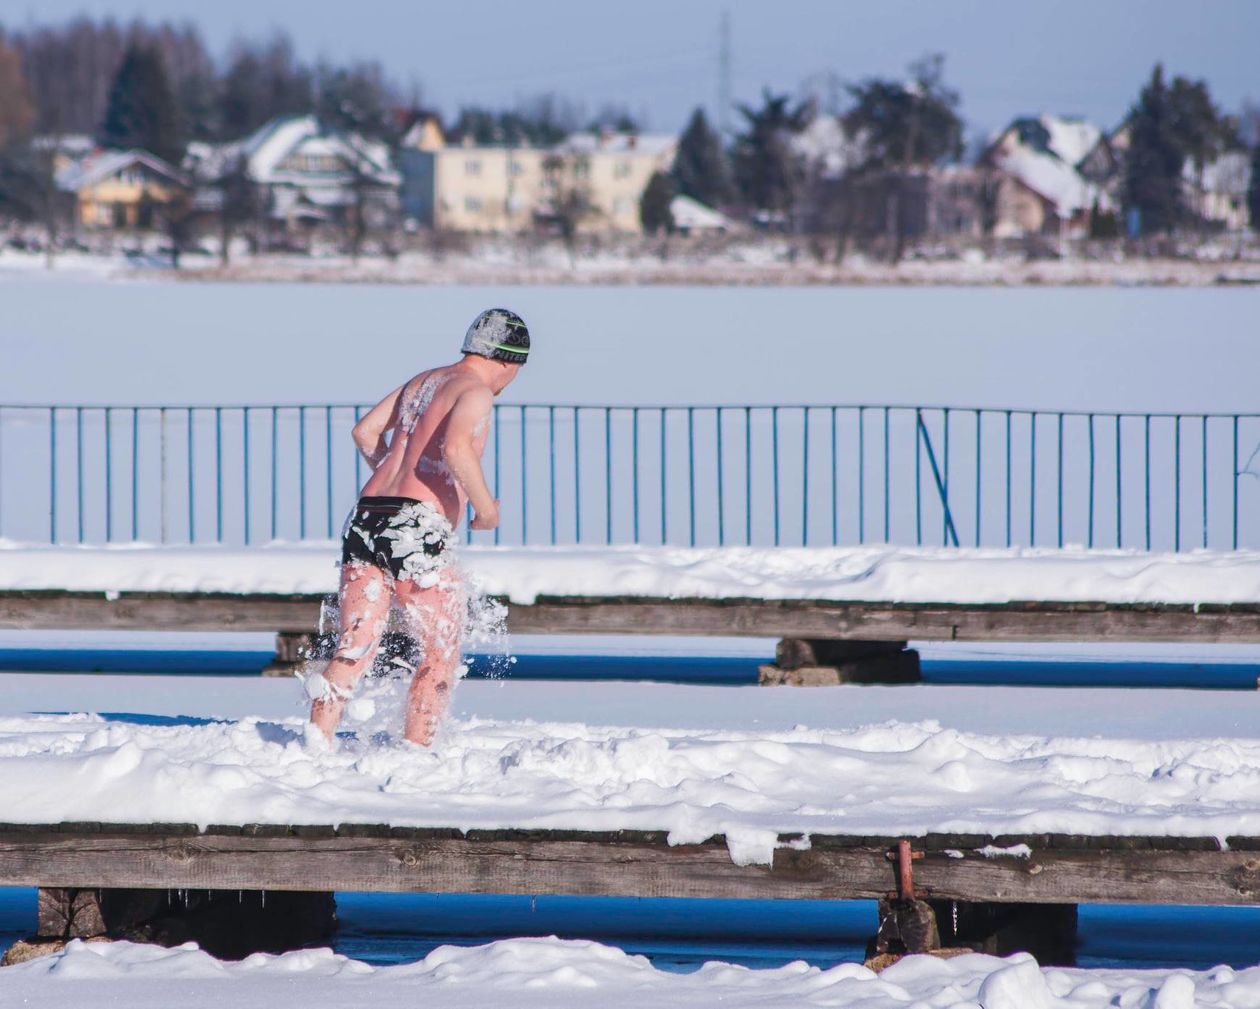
x: 364, y: 599
x: 436, y: 617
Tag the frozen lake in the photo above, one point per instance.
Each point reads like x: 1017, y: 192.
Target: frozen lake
x: 150, y: 341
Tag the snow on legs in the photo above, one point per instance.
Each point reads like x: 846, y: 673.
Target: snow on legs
x: 435, y: 615
x: 364, y: 601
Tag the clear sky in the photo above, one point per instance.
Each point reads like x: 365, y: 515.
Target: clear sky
x: 660, y: 57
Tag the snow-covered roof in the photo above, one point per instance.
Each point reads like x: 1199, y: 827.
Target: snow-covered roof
x: 97, y: 168
x: 659, y: 144
x: 1054, y: 180
x: 827, y: 147
x: 267, y: 149
x: 692, y: 215
x: 1071, y: 139
x: 1228, y: 175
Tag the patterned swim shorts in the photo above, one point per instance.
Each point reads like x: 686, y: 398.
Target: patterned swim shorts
x: 408, y: 538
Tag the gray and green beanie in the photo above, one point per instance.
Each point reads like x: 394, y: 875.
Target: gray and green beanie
x: 499, y: 335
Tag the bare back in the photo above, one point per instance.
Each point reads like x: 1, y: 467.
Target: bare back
x: 414, y: 466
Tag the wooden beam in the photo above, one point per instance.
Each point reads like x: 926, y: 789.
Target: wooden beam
x: 818, y: 619
x: 1059, y: 870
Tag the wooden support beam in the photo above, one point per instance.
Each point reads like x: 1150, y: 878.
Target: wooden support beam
x: 802, y: 619
x: 1060, y: 869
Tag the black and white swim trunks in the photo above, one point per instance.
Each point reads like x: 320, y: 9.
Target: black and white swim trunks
x: 408, y: 538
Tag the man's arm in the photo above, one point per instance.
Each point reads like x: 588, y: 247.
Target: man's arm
x: 369, y: 433
x: 471, y: 410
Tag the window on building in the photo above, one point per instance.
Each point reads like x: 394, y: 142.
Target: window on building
x: 472, y: 204
x: 472, y: 167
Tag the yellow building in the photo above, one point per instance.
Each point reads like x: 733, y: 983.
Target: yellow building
x: 120, y: 189
x: 597, y: 179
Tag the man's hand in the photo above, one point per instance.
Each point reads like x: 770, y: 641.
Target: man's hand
x: 486, y: 518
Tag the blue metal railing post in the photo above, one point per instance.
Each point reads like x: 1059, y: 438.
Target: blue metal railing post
x: 135, y: 473
x: 245, y: 508
x: 978, y: 432
x: 1059, y: 450
x: 192, y: 497
x: 52, y: 474
x: 1119, y: 492
x: 1235, y: 482
x: 805, y: 478
x: 951, y: 531
x: 275, y: 468
x: 747, y: 476
x: 774, y: 461
x: 721, y: 510
x: 1032, y: 479
x: 524, y: 476
x: 1008, y: 478
x: 1177, y: 483
x: 1092, y: 458
x: 328, y: 471
x: 1205, y: 482
x: 691, y: 475
x: 218, y: 476
x: 634, y: 476
x: 78, y: 468
x: 109, y: 475
x: 608, y: 487
x: 835, y: 504
x: 551, y: 468
x: 1146, y: 471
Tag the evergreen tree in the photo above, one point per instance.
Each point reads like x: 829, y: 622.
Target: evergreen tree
x: 17, y: 114
x: 141, y: 110
x: 261, y: 83
x: 1253, y: 189
x: 701, y: 167
x: 1152, y: 177
x: 654, y: 209
x: 765, y: 167
x: 357, y: 99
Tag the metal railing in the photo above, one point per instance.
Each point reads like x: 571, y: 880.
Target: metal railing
x: 698, y: 475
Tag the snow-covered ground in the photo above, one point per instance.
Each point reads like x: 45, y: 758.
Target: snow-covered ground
x: 555, y: 974
x: 748, y: 762
x: 521, y: 574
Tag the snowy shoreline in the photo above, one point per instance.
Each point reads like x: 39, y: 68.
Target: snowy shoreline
x: 754, y: 267
x: 889, y: 574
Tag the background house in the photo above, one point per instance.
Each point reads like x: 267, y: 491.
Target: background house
x: 120, y: 189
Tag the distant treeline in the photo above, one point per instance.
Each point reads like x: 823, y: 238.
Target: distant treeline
x: 157, y: 86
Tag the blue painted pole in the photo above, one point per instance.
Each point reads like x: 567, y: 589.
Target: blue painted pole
x: 1119, y: 487
x: 358, y: 456
x: 691, y: 474
x: 52, y: 474
x: 1205, y: 482
x: 275, y: 468
x: 944, y: 523
x: 1177, y: 480
x: 634, y: 477
x: 78, y: 468
x: 109, y: 475
x: 608, y: 487
x: 524, y: 477
x: 887, y: 478
x: 805, y: 476
x: 1092, y: 467
x: 835, y: 478
x: 1059, y: 452
x: 135, y: 473
x: 747, y: 476
x: 1146, y: 474
x: 1032, y: 482
x: 664, y: 497
x: 577, y: 477
x: 1008, y: 478
x: 951, y: 531
x: 328, y: 470
x: 192, y: 467
x: 1235, y: 487
x: 218, y: 478
x: 721, y: 511
x: 245, y: 471
x: 551, y: 467
x: 979, y: 420
x: 861, y: 475
x: 301, y: 472
x: 918, y: 477
x: 774, y: 435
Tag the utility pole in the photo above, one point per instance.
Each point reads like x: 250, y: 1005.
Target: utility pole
x: 724, y: 75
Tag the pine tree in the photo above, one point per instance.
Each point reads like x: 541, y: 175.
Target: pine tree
x: 17, y: 114
x: 701, y: 168
x: 141, y: 111
x: 765, y: 167
x: 1152, y: 178
x: 1253, y: 189
x: 654, y: 209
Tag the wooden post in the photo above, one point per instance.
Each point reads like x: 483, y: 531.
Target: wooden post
x: 293, y: 648
x: 68, y: 913
x: 816, y: 662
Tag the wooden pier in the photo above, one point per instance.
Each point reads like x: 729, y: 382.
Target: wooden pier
x: 996, y: 894
x: 823, y: 641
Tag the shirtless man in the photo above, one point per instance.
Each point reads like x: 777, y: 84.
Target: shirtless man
x: 399, y: 542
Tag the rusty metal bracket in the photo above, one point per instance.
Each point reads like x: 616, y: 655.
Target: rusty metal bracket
x: 905, y: 857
